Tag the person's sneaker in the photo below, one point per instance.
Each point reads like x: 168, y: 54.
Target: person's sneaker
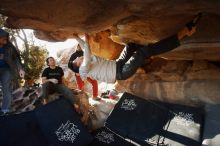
x: 105, y: 96
x: 96, y: 98
x: 105, y: 93
x: 194, y: 21
x: 39, y: 102
x: 1, y: 113
x: 4, y: 113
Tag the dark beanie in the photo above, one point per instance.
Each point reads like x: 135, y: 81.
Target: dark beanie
x: 3, y: 33
x: 72, y: 66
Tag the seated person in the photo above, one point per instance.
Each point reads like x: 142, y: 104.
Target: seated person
x: 79, y: 81
x: 52, y: 79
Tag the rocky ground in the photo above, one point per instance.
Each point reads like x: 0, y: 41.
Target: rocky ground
x: 94, y: 113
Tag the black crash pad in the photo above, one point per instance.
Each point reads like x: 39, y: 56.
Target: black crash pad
x: 105, y: 137
x: 150, y: 123
x: 211, y: 134
x: 56, y: 123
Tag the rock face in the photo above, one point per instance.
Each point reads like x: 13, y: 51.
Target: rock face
x: 102, y: 45
x: 97, y: 42
x: 190, y: 76
x: 141, y: 21
x: 187, y: 82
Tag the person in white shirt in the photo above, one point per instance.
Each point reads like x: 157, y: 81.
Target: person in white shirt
x: 131, y: 58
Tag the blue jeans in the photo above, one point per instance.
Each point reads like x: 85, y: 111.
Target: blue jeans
x: 5, y: 79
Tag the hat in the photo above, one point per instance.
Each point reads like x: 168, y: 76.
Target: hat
x: 3, y: 33
x: 71, y: 65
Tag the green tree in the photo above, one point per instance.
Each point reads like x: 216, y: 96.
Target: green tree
x: 34, y: 63
x: 33, y: 56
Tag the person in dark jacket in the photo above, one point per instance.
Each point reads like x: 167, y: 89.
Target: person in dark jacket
x: 10, y: 63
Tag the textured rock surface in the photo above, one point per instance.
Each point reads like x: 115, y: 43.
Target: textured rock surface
x: 102, y: 45
x: 184, y: 92
x: 188, y: 78
x: 176, y: 81
x: 142, y: 21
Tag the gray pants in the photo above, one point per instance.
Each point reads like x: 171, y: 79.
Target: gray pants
x: 133, y: 55
x: 48, y: 88
x: 5, y: 79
